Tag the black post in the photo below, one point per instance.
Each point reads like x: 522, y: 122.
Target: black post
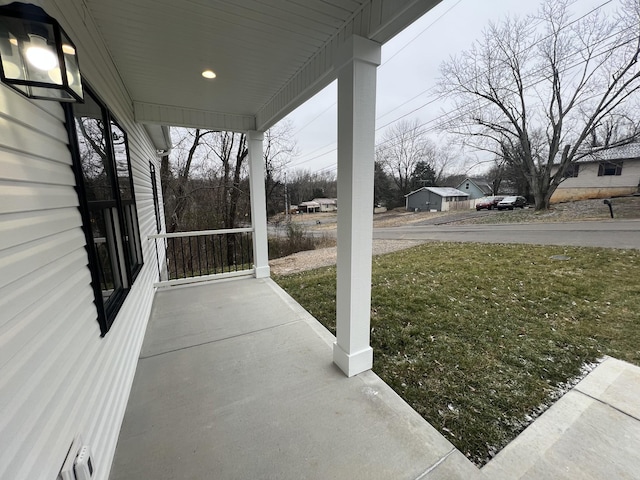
x: 608, y: 202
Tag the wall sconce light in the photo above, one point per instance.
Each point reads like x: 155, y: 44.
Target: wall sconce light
x: 37, y: 57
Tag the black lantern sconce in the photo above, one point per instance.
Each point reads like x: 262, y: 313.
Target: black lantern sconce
x: 37, y: 57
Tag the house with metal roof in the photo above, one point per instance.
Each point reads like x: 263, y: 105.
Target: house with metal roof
x: 436, y: 199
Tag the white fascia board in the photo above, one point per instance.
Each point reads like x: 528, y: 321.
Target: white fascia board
x: 187, y: 117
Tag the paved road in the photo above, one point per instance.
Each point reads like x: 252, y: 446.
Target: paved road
x: 609, y: 234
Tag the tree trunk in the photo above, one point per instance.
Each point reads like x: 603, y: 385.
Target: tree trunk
x: 181, y: 197
x: 232, y: 192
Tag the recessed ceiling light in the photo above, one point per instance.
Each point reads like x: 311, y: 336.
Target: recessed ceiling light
x: 208, y: 74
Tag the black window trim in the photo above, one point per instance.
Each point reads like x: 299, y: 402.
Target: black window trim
x: 572, y: 170
x: 616, y: 166
x: 132, y: 271
x: 86, y: 221
x: 156, y: 199
x: 105, y: 314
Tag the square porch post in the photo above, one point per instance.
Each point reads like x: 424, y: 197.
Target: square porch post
x: 356, y: 63
x: 258, y: 203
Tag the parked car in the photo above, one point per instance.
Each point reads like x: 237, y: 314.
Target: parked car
x: 488, y: 202
x: 511, y: 203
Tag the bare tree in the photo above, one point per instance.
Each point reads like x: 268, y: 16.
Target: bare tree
x: 613, y: 130
x: 403, y: 146
x: 205, y: 182
x: 279, y: 149
x: 230, y: 150
x: 176, y: 191
x: 305, y: 185
x: 444, y: 159
x: 497, y: 175
x: 534, y: 90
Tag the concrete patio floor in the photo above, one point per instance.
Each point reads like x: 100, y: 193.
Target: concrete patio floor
x: 235, y: 381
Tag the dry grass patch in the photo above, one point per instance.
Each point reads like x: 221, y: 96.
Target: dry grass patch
x: 296, y: 239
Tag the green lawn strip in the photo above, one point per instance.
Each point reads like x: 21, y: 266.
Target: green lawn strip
x: 480, y: 338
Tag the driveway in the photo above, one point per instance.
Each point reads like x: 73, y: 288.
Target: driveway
x: 608, y: 234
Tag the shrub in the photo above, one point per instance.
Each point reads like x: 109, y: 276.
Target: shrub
x: 296, y: 239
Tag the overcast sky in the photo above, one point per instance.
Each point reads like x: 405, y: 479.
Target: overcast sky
x: 406, y: 77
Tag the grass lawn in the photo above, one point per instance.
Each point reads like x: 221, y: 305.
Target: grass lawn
x: 480, y: 339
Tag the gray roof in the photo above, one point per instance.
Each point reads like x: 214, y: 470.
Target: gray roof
x: 623, y: 152
x: 442, y: 191
x: 481, y: 183
x: 616, y: 153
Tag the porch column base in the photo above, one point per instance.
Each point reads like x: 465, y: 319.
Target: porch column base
x: 354, y: 363
x: 263, y: 272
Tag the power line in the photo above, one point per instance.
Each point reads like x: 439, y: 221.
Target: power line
x: 462, y: 111
x: 531, y: 27
x: 386, y: 61
x: 421, y: 32
x: 317, y: 156
x: 314, y: 119
x: 442, y: 96
x: 395, y: 108
x: 531, y: 74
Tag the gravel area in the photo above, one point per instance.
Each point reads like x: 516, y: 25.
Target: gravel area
x: 301, y: 261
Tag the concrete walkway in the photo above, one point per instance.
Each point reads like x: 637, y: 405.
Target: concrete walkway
x: 235, y: 381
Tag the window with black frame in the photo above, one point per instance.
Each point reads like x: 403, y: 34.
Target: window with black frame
x: 125, y: 186
x: 572, y: 171
x: 156, y: 201
x: 606, y: 169
x: 102, y: 157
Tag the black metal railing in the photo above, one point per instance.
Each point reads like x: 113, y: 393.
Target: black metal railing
x: 188, y: 255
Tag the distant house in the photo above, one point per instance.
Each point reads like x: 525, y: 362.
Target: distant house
x: 609, y: 173
x: 327, y: 204
x: 319, y: 205
x: 309, y: 207
x: 437, y: 199
x: 475, y: 187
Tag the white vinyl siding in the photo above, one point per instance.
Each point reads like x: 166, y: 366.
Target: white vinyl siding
x: 589, y: 185
x: 588, y: 176
x: 58, y: 377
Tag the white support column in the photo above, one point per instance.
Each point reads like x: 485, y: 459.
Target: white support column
x: 258, y: 204
x: 356, y: 64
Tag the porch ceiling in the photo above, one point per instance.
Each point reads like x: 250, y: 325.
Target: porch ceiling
x: 269, y: 55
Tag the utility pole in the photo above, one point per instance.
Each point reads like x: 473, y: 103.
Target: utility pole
x: 286, y: 199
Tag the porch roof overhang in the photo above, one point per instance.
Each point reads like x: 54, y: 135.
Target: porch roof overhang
x: 269, y: 57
